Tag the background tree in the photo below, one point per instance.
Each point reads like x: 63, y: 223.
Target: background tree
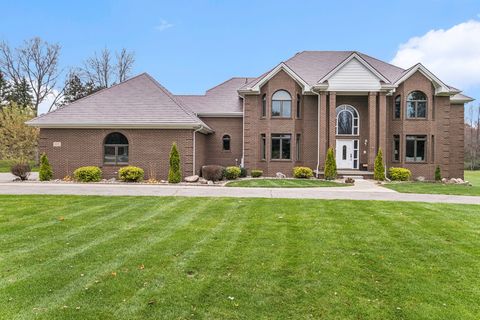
x: 20, y: 94
x: 75, y: 88
x: 103, y: 71
x: 472, y: 138
x: 37, y: 62
x: 18, y: 141
x: 4, y: 89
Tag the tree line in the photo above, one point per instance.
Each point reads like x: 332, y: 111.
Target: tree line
x: 31, y: 73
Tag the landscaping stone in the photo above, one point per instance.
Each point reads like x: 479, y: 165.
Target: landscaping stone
x: 420, y: 179
x: 193, y: 178
x: 209, y: 182
x: 280, y: 175
x: 203, y: 180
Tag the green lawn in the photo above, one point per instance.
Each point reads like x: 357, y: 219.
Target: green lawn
x: 72, y: 257
x: 283, y: 183
x: 6, y: 164
x: 439, y: 188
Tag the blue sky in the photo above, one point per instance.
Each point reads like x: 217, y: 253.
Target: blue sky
x: 190, y: 46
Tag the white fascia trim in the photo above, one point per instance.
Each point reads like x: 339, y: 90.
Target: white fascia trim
x: 440, y: 87
x: 118, y: 126
x: 361, y: 60
x: 282, y: 66
x: 220, y: 114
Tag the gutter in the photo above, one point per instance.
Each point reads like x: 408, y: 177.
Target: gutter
x: 318, y: 132
x: 242, y: 161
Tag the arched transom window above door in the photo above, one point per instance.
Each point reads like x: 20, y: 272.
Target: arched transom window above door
x: 347, y: 120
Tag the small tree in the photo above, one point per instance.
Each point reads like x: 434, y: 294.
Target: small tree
x: 438, y: 174
x: 174, y: 173
x: 45, y: 173
x: 379, y: 168
x: 330, y: 166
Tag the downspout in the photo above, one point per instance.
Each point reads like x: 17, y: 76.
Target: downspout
x: 194, y: 148
x: 242, y: 161
x: 318, y: 133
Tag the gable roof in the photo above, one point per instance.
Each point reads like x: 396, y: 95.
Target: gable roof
x: 139, y: 102
x: 222, y: 99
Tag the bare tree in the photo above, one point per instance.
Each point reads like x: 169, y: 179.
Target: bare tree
x: 125, y: 62
x: 36, y: 61
x: 100, y: 69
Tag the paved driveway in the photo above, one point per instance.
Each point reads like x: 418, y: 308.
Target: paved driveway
x: 365, y: 192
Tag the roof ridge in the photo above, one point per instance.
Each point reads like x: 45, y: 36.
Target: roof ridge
x: 87, y: 96
x: 376, y: 59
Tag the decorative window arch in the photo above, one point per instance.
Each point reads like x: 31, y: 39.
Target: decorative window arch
x: 115, y: 149
x: 397, y: 107
x: 226, y: 142
x: 281, y: 104
x: 416, y: 105
x: 347, y: 120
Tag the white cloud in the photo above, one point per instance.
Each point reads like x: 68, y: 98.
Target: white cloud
x: 47, y: 102
x: 164, y: 25
x: 452, y: 54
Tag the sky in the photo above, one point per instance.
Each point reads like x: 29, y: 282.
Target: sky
x: 191, y: 46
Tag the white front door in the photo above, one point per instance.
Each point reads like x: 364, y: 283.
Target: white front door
x: 345, y: 154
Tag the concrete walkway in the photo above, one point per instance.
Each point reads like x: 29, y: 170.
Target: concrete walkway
x: 364, y: 190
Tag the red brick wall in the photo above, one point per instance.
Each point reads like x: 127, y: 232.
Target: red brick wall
x: 148, y: 149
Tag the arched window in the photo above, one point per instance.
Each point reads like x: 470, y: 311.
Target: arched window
x: 226, y: 142
x: 115, y: 149
x: 397, y: 107
x: 416, y: 105
x: 347, y: 120
x: 299, y: 106
x: 281, y: 104
x: 264, y: 106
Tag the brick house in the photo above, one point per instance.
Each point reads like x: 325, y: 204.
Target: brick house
x: 287, y: 117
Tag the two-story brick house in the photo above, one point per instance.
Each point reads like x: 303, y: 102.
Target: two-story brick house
x: 287, y: 117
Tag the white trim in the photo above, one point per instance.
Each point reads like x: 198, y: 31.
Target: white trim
x: 242, y: 161
x: 354, y: 55
x: 282, y: 66
x: 353, y: 120
x: 120, y: 126
x: 440, y: 87
x: 220, y: 114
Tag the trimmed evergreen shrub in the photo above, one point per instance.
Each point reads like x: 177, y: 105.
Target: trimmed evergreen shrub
x: 399, y: 174
x: 45, y: 173
x: 232, y: 173
x: 302, y: 172
x: 243, y: 172
x: 256, y: 173
x: 21, y: 170
x: 330, y: 165
x: 131, y: 174
x: 379, y: 169
x: 174, y: 173
x: 438, y: 174
x: 213, y: 172
x: 88, y: 174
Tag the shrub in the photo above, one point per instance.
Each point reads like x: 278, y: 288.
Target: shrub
x: 399, y: 174
x: 256, y: 173
x: 232, y: 173
x: 330, y: 166
x: 243, y: 172
x: 213, y: 172
x: 174, y: 173
x: 302, y: 172
x: 379, y: 169
x: 21, y: 170
x: 131, y: 174
x: 45, y: 173
x: 88, y: 174
x: 438, y: 174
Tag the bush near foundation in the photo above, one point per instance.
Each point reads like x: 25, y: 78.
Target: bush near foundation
x: 21, y: 170
x: 45, y: 173
x: 131, y: 174
x: 438, y: 174
x: 330, y: 166
x: 232, y: 173
x: 88, y: 174
x: 256, y: 173
x: 243, y: 172
x: 399, y: 174
x: 175, y: 171
x: 213, y: 172
x: 302, y: 172
x: 379, y: 169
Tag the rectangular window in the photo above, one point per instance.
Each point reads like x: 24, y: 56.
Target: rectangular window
x: 396, y: 148
x: 263, y: 147
x: 282, y: 108
x: 299, y: 147
x: 416, y: 109
x: 415, y: 148
x: 281, y: 146
x: 299, y: 107
x: 264, y: 106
